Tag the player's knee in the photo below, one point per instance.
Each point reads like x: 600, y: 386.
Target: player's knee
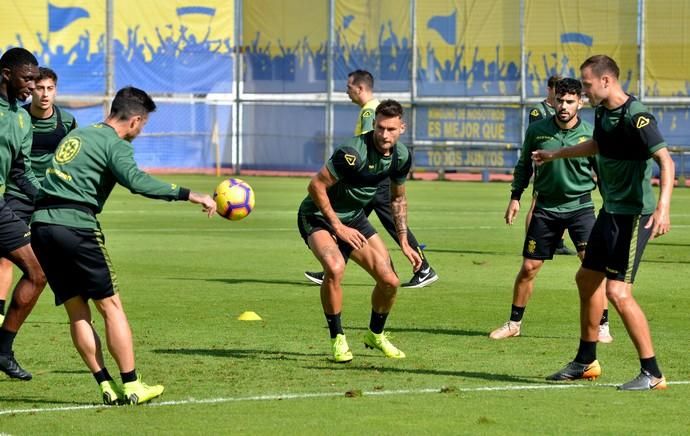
x: 335, y: 270
x: 529, y: 270
x: 618, y: 296
x: 389, y: 283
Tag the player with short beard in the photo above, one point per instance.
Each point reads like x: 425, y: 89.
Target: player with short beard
x: 563, y: 197
x: 333, y: 224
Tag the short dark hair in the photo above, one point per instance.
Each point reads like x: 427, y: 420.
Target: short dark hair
x: 389, y: 108
x: 17, y: 57
x: 130, y: 101
x: 600, y: 65
x: 46, y: 73
x: 553, y: 80
x: 362, y: 77
x: 568, y: 86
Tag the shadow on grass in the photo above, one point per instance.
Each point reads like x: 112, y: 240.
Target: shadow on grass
x: 30, y: 402
x: 237, y: 353
x: 682, y: 262
x: 432, y: 331
x: 71, y: 371
x: 669, y: 244
x: 490, y: 376
x: 237, y: 281
x: 465, y: 251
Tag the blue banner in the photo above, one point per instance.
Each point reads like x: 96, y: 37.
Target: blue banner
x: 467, y: 123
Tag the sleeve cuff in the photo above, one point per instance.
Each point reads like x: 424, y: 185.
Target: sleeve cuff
x: 183, y: 195
x: 515, y: 195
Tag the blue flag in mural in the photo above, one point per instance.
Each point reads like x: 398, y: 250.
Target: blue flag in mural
x: 579, y: 38
x: 59, y: 17
x: 187, y: 10
x: 445, y: 26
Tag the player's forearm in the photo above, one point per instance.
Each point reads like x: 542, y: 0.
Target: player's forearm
x: 317, y: 192
x: 667, y: 177
x: 399, y: 209
x: 587, y: 148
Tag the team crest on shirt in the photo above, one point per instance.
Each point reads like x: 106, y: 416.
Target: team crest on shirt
x: 351, y: 159
x: 531, y: 246
x: 68, y: 150
x: 642, y: 122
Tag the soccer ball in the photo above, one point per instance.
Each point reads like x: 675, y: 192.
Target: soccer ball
x: 234, y: 198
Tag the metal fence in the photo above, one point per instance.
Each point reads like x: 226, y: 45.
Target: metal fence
x: 259, y: 85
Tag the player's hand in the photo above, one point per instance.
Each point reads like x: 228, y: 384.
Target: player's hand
x: 207, y: 203
x: 542, y: 156
x: 659, y: 222
x: 351, y: 236
x: 414, y: 257
x: 512, y: 211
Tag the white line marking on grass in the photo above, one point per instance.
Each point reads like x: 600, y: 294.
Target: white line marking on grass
x: 303, y: 396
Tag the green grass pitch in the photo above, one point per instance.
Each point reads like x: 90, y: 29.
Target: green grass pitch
x: 185, y: 279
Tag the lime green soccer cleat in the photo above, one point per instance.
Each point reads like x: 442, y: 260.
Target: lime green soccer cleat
x: 112, y: 393
x: 341, y: 351
x: 381, y: 342
x: 138, y: 392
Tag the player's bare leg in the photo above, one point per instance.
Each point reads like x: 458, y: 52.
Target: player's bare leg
x: 84, y: 337
x: 27, y: 289
x: 326, y: 251
x: 374, y: 258
x: 118, y: 335
x: 522, y: 292
x: 6, y: 270
x: 592, y: 302
x: 620, y: 295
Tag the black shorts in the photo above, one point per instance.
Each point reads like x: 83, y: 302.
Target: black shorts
x: 546, y: 230
x: 616, y: 245
x: 75, y: 262
x: 14, y: 233
x: 309, y: 224
x: 22, y: 208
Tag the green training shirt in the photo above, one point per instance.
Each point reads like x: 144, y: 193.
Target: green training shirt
x: 561, y: 185
x: 84, y: 170
x: 40, y: 160
x: 541, y: 111
x: 365, y: 120
x: 627, y: 137
x: 15, y: 148
x: 358, y: 168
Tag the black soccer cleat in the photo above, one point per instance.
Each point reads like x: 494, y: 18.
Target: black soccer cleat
x: 9, y: 366
x: 316, y: 277
x: 423, y: 277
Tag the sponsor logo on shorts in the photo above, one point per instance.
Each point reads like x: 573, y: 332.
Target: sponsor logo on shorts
x: 612, y: 271
x: 531, y: 246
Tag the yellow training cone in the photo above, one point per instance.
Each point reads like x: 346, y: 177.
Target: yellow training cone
x: 249, y: 316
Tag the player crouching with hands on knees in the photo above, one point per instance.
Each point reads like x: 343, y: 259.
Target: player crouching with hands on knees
x: 332, y: 222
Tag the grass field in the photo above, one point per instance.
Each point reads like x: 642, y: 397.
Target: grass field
x: 185, y: 279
